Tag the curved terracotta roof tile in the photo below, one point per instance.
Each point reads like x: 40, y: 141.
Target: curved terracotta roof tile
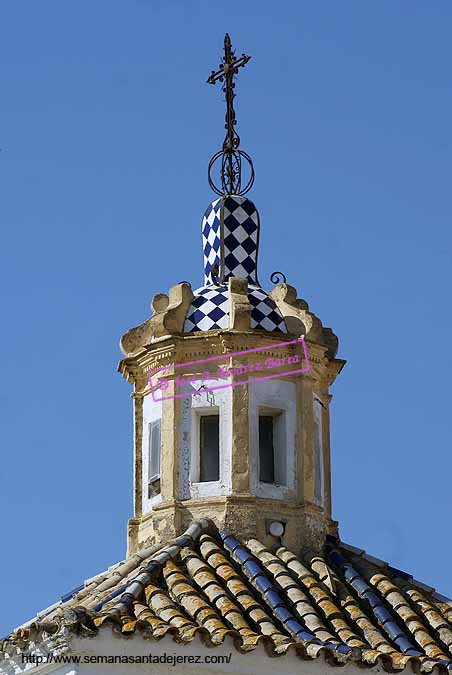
x: 345, y: 604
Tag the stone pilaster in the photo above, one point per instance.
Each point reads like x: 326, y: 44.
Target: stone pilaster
x: 239, y: 304
x: 169, y: 462
x: 137, y: 398
x: 306, y: 460
x: 240, y: 473
x: 327, y: 455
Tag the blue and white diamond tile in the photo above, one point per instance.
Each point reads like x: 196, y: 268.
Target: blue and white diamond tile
x: 230, y: 232
x: 264, y: 313
x: 241, y: 232
x: 210, y: 310
x: 211, y: 237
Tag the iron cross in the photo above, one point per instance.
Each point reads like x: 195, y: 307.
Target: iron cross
x: 225, y: 73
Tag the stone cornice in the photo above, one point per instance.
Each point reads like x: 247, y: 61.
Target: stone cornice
x: 183, y: 348
x: 180, y: 349
x: 300, y: 321
x: 168, y: 317
x: 169, y: 311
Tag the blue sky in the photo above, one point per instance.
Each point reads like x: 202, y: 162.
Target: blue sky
x: 106, y: 128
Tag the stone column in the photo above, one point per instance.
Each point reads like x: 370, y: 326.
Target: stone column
x: 306, y: 459
x: 133, y: 523
x: 137, y: 398
x: 169, y: 458
x: 327, y: 454
x: 240, y: 465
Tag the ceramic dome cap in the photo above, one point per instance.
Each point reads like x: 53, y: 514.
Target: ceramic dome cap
x: 231, y: 297
x: 230, y: 240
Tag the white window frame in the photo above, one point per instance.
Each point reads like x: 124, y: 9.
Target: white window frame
x: 152, y: 411
x: 204, y: 402
x: 279, y: 445
x: 280, y: 396
x: 203, y: 488
x: 155, y: 477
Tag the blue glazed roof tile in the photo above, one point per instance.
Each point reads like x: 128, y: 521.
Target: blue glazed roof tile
x: 283, y: 615
x: 383, y: 616
x: 273, y: 599
x: 359, y: 585
x: 69, y: 595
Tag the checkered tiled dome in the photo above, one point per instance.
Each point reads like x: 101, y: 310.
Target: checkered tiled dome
x: 230, y: 238
x: 210, y: 310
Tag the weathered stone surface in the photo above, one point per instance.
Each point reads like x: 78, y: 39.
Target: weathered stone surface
x: 300, y: 321
x: 168, y: 318
x: 240, y: 307
x: 240, y: 441
x: 241, y: 510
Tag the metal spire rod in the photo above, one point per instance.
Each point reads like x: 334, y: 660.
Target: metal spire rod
x: 231, y: 156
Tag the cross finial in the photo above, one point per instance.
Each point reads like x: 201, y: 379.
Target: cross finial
x: 231, y: 156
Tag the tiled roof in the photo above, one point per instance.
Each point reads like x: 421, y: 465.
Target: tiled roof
x: 344, y: 604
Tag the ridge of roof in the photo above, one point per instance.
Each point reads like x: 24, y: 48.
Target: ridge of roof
x: 360, y: 552
x: 343, y: 604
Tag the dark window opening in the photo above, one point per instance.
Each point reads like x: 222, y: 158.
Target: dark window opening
x: 209, y: 448
x: 154, y: 450
x: 154, y: 458
x: 266, y: 449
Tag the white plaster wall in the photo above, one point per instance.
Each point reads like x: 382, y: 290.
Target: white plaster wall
x: 280, y: 395
x: 152, y: 410
x: 203, y: 401
x: 257, y: 662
